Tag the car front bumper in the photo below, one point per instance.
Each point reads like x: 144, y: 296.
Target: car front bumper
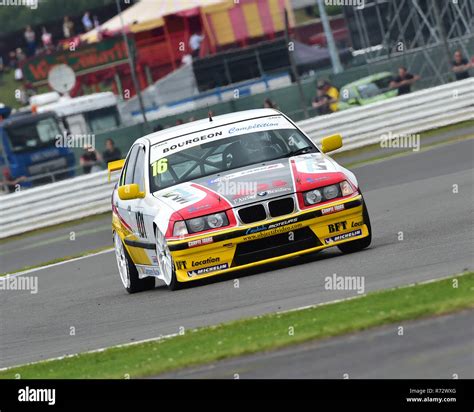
x: 269, y: 241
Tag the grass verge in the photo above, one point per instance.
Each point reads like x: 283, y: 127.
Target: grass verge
x: 266, y: 332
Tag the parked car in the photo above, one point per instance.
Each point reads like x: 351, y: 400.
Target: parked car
x: 367, y: 90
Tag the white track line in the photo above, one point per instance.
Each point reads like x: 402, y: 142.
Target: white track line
x: 26, y: 272
x: 172, y: 335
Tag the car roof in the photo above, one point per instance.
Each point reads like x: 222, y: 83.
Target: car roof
x: 367, y: 79
x: 205, y: 124
x: 21, y: 118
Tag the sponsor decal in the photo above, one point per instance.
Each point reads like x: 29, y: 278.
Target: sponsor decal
x: 209, y: 269
x: 252, y: 127
x: 148, y: 270
x: 261, y: 228
x: 357, y: 224
x: 344, y: 236
x: 141, y: 229
x: 247, y: 172
x: 190, y: 141
x: 316, y: 179
x: 337, y: 227
x: 181, y: 196
x: 312, y: 163
x: 180, y: 265
x: 271, y: 232
x: 206, y: 261
x: 200, y: 242
x: 332, y: 209
x: 196, y: 208
x: 275, y: 190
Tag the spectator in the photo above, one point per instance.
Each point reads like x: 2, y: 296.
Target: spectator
x: 403, y: 81
x: 111, y: 153
x: 68, y: 28
x: 158, y: 127
x: 9, y: 182
x: 195, y: 43
x: 461, y: 66
x: 12, y: 62
x: 30, y: 38
x: 96, y: 22
x: 268, y: 104
x: 87, y: 22
x: 327, y: 98
x: 46, y: 38
x: 179, y: 121
x: 89, y: 160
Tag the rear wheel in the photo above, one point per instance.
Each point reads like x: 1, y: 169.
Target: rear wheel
x: 127, y: 270
x: 356, y: 245
x: 165, y: 261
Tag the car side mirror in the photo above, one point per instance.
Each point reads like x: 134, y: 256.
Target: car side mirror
x: 331, y: 143
x: 130, y: 192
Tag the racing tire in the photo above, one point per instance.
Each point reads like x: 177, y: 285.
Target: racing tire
x: 165, y: 262
x: 357, y: 245
x: 127, y: 270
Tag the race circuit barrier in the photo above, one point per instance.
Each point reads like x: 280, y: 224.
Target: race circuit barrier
x: 409, y: 114
x: 362, y: 126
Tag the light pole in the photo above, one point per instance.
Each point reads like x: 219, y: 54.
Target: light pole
x: 335, y: 61
x: 132, y: 66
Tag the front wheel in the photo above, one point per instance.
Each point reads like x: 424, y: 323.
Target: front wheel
x: 127, y: 270
x: 357, y: 245
x: 165, y: 261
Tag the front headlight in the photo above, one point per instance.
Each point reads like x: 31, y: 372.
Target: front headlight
x: 200, y: 224
x: 312, y: 197
x: 330, y: 192
x: 217, y: 220
x: 196, y: 225
x: 322, y: 194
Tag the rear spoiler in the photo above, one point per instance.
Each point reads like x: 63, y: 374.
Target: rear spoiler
x: 114, y: 166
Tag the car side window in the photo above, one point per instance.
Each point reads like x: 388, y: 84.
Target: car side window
x: 138, y: 175
x: 130, y: 167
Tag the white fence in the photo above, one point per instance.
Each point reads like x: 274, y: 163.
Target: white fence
x: 90, y: 194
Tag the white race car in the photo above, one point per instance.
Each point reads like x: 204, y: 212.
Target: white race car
x: 224, y: 194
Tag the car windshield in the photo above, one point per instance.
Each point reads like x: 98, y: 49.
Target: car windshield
x: 35, y: 135
x: 221, y: 155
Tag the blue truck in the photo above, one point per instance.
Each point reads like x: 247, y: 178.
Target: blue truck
x: 29, y: 149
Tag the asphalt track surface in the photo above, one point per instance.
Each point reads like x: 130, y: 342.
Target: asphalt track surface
x: 411, y: 194
x: 441, y: 347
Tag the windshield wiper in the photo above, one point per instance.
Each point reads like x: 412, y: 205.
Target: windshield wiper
x: 301, y: 151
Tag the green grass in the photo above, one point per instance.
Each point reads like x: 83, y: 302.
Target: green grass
x: 8, y: 85
x: 262, y: 333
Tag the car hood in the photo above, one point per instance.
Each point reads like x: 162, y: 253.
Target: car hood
x: 251, y: 184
